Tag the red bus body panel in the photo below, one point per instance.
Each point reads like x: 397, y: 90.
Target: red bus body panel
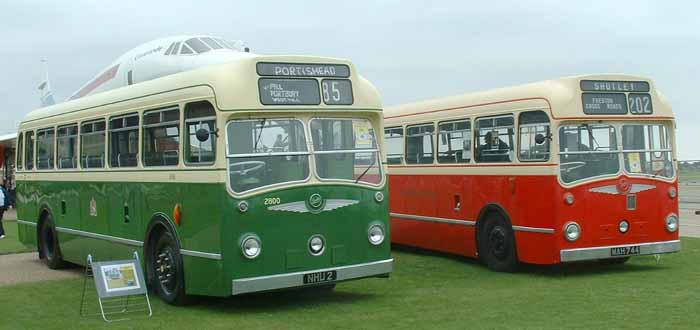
x: 532, y: 201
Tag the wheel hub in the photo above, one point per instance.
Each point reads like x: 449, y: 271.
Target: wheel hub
x: 497, y: 242
x: 165, y: 269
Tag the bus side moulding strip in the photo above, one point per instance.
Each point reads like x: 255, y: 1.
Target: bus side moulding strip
x: 131, y: 242
x: 29, y: 223
x: 466, y: 222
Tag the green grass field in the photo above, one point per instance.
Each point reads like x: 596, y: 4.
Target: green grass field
x: 688, y: 175
x: 426, y: 291
x: 10, y: 244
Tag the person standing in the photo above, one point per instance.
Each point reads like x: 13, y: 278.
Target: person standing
x: 3, y: 204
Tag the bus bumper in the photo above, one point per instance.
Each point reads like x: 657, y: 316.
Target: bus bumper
x: 614, y: 251
x: 291, y: 280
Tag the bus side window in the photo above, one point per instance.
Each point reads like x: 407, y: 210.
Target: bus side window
x: 200, y: 126
x: 29, y: 148
x: 495, y: 138
x: 20, y: 150
x: 45, y: 149
x: 67, y: 150
x: 455, y: 141
x: 92, y: 144
x: 124, y: 141
x: 535, y: 136
x: 161, y: 137
x: 419, y: 144
x: 393, y: 137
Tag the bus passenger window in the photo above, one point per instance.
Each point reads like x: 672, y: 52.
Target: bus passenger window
x: 200, y: 123
x: 20, y: 149
x: 92, y: 145
x: 67, y: 141
x: 30, y: 150
x: 534, y: 136
x: 45, y: 149
x: 161, y: 131
x: 393, y: 137
x: 455, y: 143
x: 124, y: 141
x: 419, y: 144
x: 495, y: 138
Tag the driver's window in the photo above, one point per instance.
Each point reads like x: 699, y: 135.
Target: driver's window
x: 535, y: 136
x: 201, y: 132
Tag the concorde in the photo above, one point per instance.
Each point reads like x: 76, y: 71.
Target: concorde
x: 156, y: 59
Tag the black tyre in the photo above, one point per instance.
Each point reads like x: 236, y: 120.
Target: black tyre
x: 497, y: 247
x: 49, y: 248
x: 165, y: 263
x: 614, y: 261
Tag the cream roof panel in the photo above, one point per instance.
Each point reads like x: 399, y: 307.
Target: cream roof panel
x: 560, y: 97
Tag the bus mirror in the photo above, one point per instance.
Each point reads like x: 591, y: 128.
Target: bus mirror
x: 202, y: 134
x: 539, y: 138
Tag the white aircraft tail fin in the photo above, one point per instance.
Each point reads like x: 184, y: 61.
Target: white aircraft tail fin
x: 45, y: 88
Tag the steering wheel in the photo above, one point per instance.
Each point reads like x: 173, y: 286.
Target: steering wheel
x: 246, y: 167
x: 570, y: 166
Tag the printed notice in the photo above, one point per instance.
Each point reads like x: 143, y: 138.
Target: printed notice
x: 120, y: 277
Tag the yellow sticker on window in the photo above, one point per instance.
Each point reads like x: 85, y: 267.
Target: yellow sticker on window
x: 635, y: 164
x: 363, y: 137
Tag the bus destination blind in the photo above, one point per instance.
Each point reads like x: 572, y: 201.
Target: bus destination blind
x: 289, y: 91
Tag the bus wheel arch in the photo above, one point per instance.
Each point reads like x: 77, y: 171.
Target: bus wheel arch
x: 495, y: 239
x: 163, y: 262
x: 47, y: 239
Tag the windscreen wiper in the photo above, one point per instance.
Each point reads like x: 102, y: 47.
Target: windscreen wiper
x: 257, y: 139
x: 374, y: 161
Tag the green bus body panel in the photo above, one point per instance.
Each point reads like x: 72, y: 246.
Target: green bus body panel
x: 211, y: 223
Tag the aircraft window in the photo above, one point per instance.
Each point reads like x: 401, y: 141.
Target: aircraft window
x: 170, y: 49
x: 211, y: 43
x: 176, y: 47
x: 186, y: 50
x: 224, y: 43
x: 197, y: 45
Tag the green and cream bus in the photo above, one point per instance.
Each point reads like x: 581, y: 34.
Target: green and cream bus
x: 260, y: 174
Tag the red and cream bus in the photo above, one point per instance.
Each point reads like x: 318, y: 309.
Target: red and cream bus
x: 578, y: 168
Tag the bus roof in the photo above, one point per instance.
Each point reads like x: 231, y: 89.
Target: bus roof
x: 562, y: 98
x: 234, y: 84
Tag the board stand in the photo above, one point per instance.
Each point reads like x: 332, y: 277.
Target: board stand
x: 111, y: 309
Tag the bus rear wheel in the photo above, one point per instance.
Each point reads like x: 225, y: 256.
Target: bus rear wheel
x: 167, y: 267
x: 497, y: 245
x: 48, y: 244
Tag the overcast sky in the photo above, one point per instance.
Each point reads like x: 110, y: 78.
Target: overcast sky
x: 411, y: 50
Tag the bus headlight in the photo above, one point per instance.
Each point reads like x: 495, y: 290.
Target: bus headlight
x: 375, y: 234
x: 316, y: 245
x: 251, y: 247
x: 572, y: 231
x: 672, y: 222
x: 624, y: 226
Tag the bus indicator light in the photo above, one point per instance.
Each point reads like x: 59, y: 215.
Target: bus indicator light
x: 569, y: 198
x: 672, y: 223
x: 672, y: 192
x: 379, y: 197
x: 177, y: 214
x: 624, y: 226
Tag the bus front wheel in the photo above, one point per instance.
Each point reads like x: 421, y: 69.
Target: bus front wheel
x: 497, y: 245
x: 48, y: 244
x: 167, y: 267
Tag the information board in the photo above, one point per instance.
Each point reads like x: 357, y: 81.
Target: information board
x: 303, y: 70
x: 614, y: 86
x: 118, y: 278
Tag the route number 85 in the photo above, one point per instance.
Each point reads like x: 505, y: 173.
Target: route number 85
x: 331, y: 92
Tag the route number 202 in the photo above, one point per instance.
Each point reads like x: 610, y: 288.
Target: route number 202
x: 272, y: 201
